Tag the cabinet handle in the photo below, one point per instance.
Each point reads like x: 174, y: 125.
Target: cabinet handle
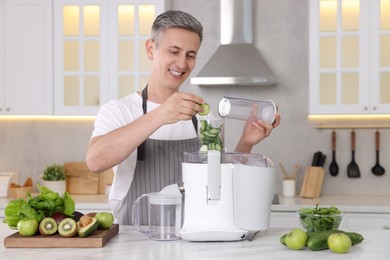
x: 7, y: 109
x: 365, y: 108
x: 373, y: 108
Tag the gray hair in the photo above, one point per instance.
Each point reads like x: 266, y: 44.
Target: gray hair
x: 175, y: 19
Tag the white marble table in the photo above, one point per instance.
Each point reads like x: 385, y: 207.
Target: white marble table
x: 129, y: 244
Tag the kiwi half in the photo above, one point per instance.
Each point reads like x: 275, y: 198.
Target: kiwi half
x: 67, y: 227
x: 48, y: 226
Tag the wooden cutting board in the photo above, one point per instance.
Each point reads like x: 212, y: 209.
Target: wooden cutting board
x: 98, y: 239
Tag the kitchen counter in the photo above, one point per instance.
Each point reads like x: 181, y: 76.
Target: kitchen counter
x: 130, y: 244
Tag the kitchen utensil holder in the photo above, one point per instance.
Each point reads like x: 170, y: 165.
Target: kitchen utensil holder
x: 312, y: 182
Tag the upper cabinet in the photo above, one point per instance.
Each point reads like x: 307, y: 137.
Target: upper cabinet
x: 26, y: 65
x: 99, y: 51
x: 349, y: 56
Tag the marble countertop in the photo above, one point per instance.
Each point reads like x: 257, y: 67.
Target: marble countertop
x: 130, y: 244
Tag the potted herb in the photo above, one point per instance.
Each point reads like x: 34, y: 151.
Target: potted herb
x: 54, y: 178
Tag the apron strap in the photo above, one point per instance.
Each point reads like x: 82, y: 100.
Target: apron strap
x: 141, y: 147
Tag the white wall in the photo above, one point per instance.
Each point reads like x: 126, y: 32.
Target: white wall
x: 281, y: 35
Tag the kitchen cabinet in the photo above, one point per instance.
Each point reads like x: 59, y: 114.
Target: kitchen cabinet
x: 286, y: 219
x: 374, y: 221
x: 2, y: 87
x: 26, y: 57
x: 349, y: 56
x: 99, y: 51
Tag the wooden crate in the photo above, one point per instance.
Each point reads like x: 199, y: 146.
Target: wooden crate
x: 79, y: 180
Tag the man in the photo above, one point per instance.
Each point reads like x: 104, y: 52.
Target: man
x: 143, y: 136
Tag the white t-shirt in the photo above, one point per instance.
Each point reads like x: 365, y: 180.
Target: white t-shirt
x: 121, y: 112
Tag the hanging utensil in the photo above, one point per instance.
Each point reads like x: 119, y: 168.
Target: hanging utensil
x: 353, y: 169
x: 377, y: 170
x: 333, y: 167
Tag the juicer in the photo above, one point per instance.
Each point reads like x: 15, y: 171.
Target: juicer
x: 228, y: 196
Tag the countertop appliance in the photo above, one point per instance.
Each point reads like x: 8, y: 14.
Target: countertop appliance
x: 228, y: 196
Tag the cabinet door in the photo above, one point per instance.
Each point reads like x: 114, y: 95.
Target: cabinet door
x: 339, y: 57
x: 284, y: 220
x: 100, y: 51
x: 28, y: 57
x: 355, y: 221
x: 2, y: 82
x: 130, y: 25
x: 80, y: 56
x: 380, y: 56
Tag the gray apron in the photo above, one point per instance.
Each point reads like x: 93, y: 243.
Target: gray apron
x: 158, y: 165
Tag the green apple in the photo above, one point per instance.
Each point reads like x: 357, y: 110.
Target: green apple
x: 296, y: 239
x: 27, y: 227
x: 105, y: 220
x: 339, y: 243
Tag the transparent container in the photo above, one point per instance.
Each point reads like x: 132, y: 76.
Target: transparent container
x: 164, y: 214
x: 243, y: 109
x: 211, y: 134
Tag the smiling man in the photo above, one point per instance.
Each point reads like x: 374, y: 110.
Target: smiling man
x: 143, y: 136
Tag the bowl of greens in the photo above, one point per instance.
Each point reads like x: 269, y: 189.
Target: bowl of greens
x: 320, y: 218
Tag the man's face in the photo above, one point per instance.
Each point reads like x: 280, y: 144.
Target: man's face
x: 174, y: 57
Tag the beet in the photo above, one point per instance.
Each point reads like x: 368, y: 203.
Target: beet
x: 77, y: 215
x: 59, y: 216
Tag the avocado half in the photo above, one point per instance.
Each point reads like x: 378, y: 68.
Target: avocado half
x: 86, y: 226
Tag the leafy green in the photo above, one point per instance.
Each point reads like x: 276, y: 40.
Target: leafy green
x: 69, y: 205
x: 12, y: 212
x: 320, y: 218
x: 43, y: 205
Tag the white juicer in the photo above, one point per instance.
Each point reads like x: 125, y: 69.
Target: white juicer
x: 228, y: 196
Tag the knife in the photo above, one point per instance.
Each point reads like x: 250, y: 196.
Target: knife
x: 315, y: 159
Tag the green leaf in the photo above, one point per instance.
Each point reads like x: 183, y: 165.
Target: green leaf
x: 69, y: 205
x: 12, y: 212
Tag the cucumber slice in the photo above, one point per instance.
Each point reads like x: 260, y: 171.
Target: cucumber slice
x: 205, y: 109
x: 203, y: 148
x: 209, y: 136
x: 204, y: 125
x: 214, y: 131
x: 218, y: 147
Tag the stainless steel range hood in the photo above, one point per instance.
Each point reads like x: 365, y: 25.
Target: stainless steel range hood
x: 236, y: 61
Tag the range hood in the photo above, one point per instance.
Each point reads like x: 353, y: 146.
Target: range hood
x: 236, y: 61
